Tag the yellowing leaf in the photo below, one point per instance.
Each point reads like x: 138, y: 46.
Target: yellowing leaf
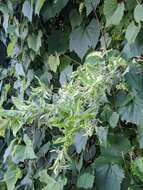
x: 54, y: 62
x: 10, y: 48
x: 39, y: 4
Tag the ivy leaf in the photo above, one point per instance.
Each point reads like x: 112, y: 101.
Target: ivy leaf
x: 85, y: 181
x: 5, y: 11
x: 65, y: 74
x: 52, y: 8
x: 3, y: 125
x: 118, y: 15
x: 109, y: 8
x: 134, y: 79
x: 132, y: 32
x: 131, y: 113
x: 116, y: 147
x: 90, y: 5
x: 51, y: 183
x: 22, y: 152
x: 108, y: 176
x: 114, y: 119
x: 19, y: 69
x: 38, y: 6
x: 134, y: 49
x: 80, y: 141
x: 137, y: 167
x: 54, y: 62
x: 113, y: 12
x: 12, y: 175
x: 138, y: 13
x: 62, y: 42
x: 15, y: 125
x: 44, y: 149
x: 106, y: 113
x: 34, y: 41
x: 81, y: 39
x: 10, y: 48
x: 132, y: 110
x: 131, y: 5
x: 27, y: 10
x: 75, y: 18
x: 102, y: 133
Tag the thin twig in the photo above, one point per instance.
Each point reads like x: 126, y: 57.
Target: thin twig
x: 68, y: 57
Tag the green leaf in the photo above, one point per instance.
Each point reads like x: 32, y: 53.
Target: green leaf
x: 34, y: 41
x: 134, y: 79
x: 132, y: 111
x: 85, y: 181
x: 52, y: 8
x: 66, y: 74
x: 80, y: 141
x: 19, y: 104
x: 10, y: 48
x: 75, y: 18
x: 137, y: 168
x: 90, y: 5
x: 38, y: 6
x: 118, y: 15
x: 106, y: 113
x: 19, y: 69
x: 134, y: 49
x: 113, y: 12
x: 108, y: 176
x: 5, y: 11
x: 81, y: 39
x: 114, y: 119
x: 51, y: 183
x: 131, y: 5
x: 27, y: 10
x: 132, y: 32
x: 102, y: 133
x: 118, y: 145
x: 140, y: 137
x: 138, y: 13
x: 109, y: 8
x: 21, y: 153
x: 44, y: 149
x: 15, y: 125
x: 62, y: 41
x: 12, y: 175
x: 53, y: 62
x: 4, y: 123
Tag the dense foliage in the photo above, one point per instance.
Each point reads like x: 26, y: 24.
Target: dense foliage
x: 71, y: 88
